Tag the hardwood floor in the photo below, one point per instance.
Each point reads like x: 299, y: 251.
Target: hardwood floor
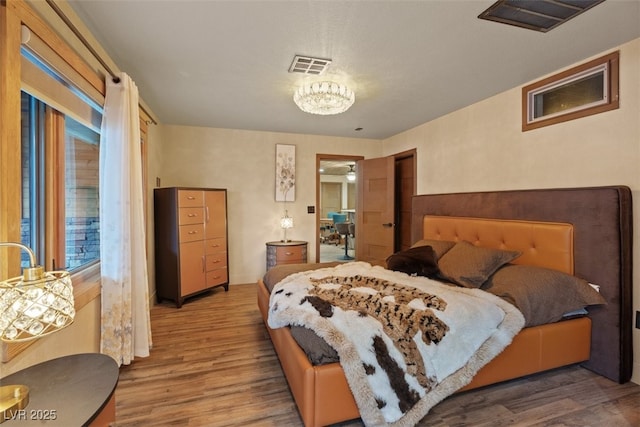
x: 212, y: 364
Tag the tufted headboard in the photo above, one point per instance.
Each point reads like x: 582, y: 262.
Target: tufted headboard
x: 601, y: 219
x: 542, y: 244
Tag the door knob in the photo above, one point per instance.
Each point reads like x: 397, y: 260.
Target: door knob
x: 388, y: 224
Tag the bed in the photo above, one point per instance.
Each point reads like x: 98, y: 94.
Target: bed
x: 582, y: 231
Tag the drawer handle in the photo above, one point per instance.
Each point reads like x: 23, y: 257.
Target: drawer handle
x: 193, y: 232
x: 288, y: 253
x: 215, y: 261
x: 215, y: 246
x: 192, y: 215
x: 191, y: 198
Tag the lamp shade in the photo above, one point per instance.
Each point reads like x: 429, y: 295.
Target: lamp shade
x: 35, y: 304
x: 286, y: 222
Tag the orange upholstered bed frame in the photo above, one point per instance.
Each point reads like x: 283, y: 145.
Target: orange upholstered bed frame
x: 321, y: 392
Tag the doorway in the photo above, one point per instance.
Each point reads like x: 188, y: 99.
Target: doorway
x: 336, y: 193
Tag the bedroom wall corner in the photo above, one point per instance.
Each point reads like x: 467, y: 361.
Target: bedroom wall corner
x: 243, y: 162
x: 482, y: 148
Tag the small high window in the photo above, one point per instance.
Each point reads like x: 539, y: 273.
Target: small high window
x: 584, y: 90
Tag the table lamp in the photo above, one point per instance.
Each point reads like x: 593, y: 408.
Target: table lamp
x: 286, y: 222
x: 31, y: 306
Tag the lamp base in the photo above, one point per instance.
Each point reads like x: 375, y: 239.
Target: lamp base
x: 13, y: 398
x: 285, y: 240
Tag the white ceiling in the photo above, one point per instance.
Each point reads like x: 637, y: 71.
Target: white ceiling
x: 225, y: 63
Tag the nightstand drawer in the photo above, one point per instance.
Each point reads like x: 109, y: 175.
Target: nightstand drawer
x: 289, y: 254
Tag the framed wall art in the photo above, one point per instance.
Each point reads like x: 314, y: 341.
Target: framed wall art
x: 285, y: 173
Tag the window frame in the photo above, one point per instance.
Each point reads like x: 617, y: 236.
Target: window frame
x: 609, y: 64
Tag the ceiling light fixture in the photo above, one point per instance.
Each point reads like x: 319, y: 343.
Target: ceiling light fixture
x: 324, y: 98
x: 351, y: 175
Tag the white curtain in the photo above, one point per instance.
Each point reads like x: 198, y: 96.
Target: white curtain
x: 126, y: 326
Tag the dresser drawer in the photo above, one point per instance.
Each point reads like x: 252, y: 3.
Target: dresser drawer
x: 190, y: 216
x: 215, y: 261
x: 217, y: 277
x: 190, y: 198
x: 285, y: 254
x: 191, y: 233
x: 213, y: 246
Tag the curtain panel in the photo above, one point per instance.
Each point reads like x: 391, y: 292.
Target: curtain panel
x: 125, y: 319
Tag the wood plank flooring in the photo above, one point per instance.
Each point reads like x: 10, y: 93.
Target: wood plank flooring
x: 212, y: 364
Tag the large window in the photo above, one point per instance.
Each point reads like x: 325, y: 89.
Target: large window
x: 82, y: 223
x: 60, y: 204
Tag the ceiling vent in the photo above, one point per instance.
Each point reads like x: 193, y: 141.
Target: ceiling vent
x: 308, y: 65
x: 539, y: 15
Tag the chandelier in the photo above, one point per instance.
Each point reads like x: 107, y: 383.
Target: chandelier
x: 324, y: 98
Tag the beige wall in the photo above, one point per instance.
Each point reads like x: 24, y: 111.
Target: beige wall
x: 482, y: 147
x: 243, y: 162
x: 82, y: 336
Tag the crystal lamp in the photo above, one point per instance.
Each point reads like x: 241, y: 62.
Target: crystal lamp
x: 31, y: 306
x: 286, y: 222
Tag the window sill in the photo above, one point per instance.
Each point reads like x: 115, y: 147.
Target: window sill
x: 86, y: 287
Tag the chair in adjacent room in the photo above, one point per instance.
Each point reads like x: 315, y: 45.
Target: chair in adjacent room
x: 338, y: 218
x: 328, y: 233
x: 342, y: 227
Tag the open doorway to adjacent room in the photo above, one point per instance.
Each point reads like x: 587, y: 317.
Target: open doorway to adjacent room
x: 336, y: 195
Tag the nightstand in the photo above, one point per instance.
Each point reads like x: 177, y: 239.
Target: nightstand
x: 76, y: 390
x: 291, y: 252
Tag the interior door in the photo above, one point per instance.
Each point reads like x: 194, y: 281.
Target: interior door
x: 375, y: 210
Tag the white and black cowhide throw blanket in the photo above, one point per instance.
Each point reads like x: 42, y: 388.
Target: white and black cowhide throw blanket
x: 405, y: 343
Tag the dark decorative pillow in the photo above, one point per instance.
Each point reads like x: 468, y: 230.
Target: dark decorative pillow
x: 439, y: 246
x: 420, y: 261
x: 542, y: 295
x: 470, y: 266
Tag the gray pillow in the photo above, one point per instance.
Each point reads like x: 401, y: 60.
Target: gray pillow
x: 542, y: 295
x: 470, y: 266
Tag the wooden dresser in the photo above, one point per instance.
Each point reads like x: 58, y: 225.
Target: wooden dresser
x: 190, y: 241
x: 291, y: 252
